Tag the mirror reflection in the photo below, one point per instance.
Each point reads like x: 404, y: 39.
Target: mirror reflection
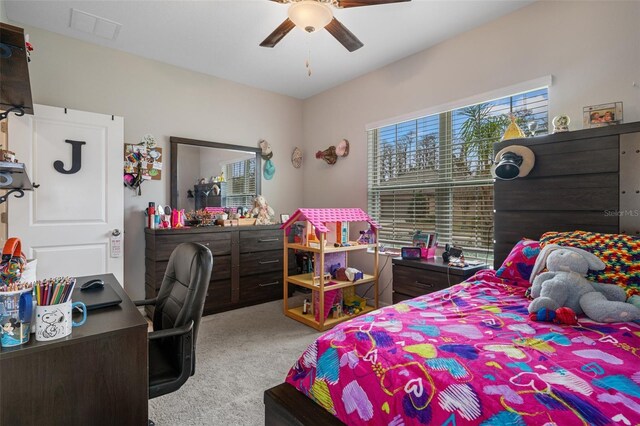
x: 207, y: 176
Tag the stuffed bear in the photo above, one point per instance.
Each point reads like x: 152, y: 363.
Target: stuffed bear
x: 565, y: 285
x: 262, y: 211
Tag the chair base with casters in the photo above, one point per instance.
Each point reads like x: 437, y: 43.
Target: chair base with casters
x: 177, y: 314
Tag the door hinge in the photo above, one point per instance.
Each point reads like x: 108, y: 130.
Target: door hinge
x: 3, y: 217
x: 3, y: 126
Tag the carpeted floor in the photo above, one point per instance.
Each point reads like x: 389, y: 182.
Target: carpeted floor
x: 240, y: 354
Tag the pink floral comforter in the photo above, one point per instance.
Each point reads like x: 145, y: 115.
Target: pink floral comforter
x: 470, y: 355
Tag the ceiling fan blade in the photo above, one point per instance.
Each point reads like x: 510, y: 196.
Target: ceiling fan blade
x: 358, y: 3
x: 343, y: 35
x: 279, y: 33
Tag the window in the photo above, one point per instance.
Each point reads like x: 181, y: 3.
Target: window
x: 433, y: 173
x: 241, y: 183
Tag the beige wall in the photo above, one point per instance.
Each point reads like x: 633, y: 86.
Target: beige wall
x: 166, y: 101
x: 592, y: 49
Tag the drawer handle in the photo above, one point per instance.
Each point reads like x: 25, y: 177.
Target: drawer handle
x: 266, y: 262
x: 268, y: 284
x: 268, y: 240
x: 428, y: 285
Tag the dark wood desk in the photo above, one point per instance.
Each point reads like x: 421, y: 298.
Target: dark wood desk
x: 97, y: 375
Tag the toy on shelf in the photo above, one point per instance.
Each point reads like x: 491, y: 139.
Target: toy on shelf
x: 316, y: 279
x: 353, y: 274
x: 366, y: 237
x: 353, y: 304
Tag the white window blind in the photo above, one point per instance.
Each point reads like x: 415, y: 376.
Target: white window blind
x: 241, y: 183
x: 433, y: 173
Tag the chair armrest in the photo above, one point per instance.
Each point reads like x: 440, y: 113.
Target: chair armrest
x: 170, y: 332
x: 145, y: 302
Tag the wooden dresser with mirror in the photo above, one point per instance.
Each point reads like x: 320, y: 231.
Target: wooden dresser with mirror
x: 247, y: 260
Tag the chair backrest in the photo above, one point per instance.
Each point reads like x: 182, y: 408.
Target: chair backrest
x: 184, y: 288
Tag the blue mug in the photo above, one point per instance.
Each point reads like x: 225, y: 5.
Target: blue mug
x: 15, y: 317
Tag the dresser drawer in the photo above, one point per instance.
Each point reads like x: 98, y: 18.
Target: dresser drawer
x: 221, y: 269
x: 218, y: 295
x: 261, y: 287
x: 416, y: 282
x: 399, y: 297
x: 260, y: 262
x: 269, y: 239
x: 218, y: 242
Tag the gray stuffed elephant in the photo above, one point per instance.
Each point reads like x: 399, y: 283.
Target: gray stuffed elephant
x: 565, y: 285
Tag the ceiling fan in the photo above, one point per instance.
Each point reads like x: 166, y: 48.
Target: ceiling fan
x: 313, y: 15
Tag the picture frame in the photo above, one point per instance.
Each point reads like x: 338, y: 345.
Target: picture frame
x: 284, y: 218
x: 602, y: 115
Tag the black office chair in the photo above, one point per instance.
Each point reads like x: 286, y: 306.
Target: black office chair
x: 178, y: 309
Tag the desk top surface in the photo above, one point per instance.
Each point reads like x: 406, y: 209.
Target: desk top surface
x: 436, y: 264
x: 102, y: 321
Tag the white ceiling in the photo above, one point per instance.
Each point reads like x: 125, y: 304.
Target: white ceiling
x: 221, y: 37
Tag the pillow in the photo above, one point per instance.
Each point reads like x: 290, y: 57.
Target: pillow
x: 519, y: 264
x: 620, y: 253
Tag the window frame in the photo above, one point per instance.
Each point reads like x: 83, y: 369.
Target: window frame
x: 445, y: 183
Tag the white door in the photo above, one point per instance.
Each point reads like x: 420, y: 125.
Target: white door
x: 67, y: 223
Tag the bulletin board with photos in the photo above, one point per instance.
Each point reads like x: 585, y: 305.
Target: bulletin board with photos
x: 150, y: 160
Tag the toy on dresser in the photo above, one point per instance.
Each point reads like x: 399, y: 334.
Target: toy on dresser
x: 261, y: 210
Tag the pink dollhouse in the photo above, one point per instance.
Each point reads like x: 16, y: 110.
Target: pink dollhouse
x: 325, y: 234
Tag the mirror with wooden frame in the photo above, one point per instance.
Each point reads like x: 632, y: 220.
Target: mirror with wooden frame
x: 213, y: 174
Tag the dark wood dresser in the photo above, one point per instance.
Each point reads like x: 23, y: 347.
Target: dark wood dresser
x: 247, y: 263
x: 413, y: 278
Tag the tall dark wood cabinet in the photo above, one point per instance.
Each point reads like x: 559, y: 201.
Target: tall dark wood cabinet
x: 247, y: 263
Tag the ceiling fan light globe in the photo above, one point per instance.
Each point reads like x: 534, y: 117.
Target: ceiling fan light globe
x: 310, y: 15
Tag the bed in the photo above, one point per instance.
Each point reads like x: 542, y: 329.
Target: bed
x: 469, y: 354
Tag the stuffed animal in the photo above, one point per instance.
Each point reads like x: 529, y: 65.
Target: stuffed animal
x: 565, y: 285
x: 261, y: 210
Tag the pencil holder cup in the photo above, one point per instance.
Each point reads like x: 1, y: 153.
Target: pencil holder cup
x: 15, y: 317
x: 54, y: 321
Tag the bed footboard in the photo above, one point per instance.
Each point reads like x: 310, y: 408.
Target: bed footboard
x: 285, y: 406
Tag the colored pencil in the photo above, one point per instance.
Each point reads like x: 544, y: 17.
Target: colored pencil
x: 70, y: 290
x: 57, y: 294
x: 63, y: 292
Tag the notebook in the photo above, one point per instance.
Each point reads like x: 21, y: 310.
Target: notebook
x: 96, y: 298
